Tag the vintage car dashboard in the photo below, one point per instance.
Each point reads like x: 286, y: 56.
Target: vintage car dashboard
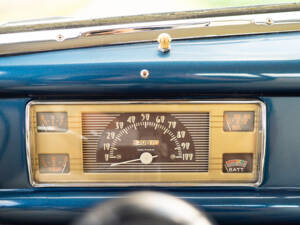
x: 215, y: 122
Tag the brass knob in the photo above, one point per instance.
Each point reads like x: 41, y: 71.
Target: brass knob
x: 164, y: 41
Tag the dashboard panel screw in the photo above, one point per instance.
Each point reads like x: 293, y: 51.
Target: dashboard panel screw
x: 60, y: 38
x: 269, y: 21
x: 144, y: 73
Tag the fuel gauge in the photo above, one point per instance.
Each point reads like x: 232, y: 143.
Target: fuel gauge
x: 52, y: 122
x: 239, y: 121
x: 54, y: 163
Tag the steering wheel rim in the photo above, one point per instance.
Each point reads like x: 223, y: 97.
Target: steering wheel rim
x: 146, y: 208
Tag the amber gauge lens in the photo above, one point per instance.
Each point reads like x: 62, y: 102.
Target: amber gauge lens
x: 52, y: 122
x: 239, y: 121
x: 54, y: 163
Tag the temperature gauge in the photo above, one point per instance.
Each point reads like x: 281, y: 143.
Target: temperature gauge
x: 238, y: 121
x: 54, y: 163
x: 52, y: 122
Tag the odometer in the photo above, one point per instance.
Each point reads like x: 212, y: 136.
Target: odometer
x: 148, y: 142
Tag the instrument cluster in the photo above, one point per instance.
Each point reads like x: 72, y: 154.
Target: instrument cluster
x: 138, y: 143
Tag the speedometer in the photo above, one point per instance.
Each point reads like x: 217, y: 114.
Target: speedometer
x: 148, y: 142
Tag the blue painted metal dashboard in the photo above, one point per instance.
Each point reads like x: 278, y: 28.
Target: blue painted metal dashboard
x: 264, y: 67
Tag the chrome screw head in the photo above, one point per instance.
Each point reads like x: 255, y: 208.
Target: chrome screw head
x: 60, y: 38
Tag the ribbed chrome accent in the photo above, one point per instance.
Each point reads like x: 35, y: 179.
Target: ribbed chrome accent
x: 198, y: 126
x: 93, y: 125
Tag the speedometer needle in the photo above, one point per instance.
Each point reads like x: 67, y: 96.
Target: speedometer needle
x: 145, y: 158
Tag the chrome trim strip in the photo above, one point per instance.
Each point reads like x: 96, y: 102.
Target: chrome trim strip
x: 45, y: 40
x: 73, y: 22
x: 262, y: 155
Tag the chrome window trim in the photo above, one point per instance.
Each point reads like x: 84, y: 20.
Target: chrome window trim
x: 262, y: 155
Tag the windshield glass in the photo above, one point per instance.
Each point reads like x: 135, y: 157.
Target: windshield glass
x: 16, y: 10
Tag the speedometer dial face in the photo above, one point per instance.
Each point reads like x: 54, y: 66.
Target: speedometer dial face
x: 149, y: 142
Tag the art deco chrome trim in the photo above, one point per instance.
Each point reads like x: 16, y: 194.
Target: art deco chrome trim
x: 262, y: 155
x: 179, y: 28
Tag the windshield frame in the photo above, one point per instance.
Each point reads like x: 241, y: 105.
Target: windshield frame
x: 62, y: 23
x: 26, y: 38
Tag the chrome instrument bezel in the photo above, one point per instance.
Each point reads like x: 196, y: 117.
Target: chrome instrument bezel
x: 262, y: 153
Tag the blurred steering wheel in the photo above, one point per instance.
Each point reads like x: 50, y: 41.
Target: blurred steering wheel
x: 145, y: 208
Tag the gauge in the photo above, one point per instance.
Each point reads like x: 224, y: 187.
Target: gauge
x: 151, y: 142
x: 52, y: 122
x: 238, y: 121
x: 54, y: 163
x: 237, y: 163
